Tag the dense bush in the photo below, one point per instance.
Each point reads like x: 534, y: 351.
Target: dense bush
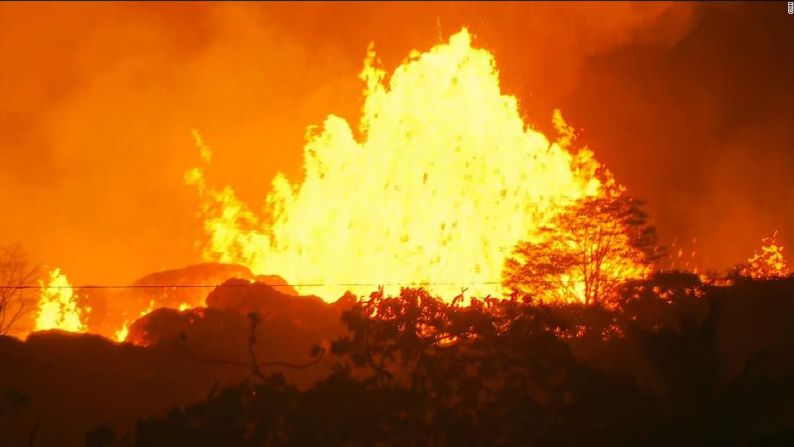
x: 415, y: 371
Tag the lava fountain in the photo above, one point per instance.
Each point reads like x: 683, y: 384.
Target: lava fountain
x: 443, y: 180
x: 57, y: 307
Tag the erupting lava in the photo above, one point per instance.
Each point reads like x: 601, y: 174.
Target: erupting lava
x: 445, y: 180
x: 121, y: 334
x: 767, y: 263
x: 58, y: 308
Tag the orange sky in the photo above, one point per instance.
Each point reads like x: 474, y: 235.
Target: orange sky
x: 688, y: 104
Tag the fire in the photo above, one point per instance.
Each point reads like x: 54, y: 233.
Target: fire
x: 769, y: 262
x: 443, y: 181
x: 585, y: 253
x: 121, y: 334
x: 149, y: 309
x: 57, y: 308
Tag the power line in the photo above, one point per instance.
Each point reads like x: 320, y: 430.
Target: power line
x: 207, y: 286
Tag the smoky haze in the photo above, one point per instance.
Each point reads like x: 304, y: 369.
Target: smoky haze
x: 688, y: 104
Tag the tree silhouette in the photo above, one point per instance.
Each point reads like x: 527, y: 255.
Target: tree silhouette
x: 585, y: 252
x: 490, y: 373
x: 15, y: 272
x: 417, y: 371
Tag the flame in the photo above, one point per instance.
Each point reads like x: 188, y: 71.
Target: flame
x: 57, y: 308
x: 442, y: 183
x: 121, y: 334
x: 148, y: 310
x: 769, y: 262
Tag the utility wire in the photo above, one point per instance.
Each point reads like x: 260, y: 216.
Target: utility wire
x: 206, y: 286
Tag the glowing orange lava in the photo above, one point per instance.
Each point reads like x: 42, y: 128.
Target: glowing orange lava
x: 58, y: 308
x: 445, y: 179
x: 121, y: 334
x: 769, y: 262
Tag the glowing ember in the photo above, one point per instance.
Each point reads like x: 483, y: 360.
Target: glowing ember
x: 57, y: 307
x: 683, y: 256
x: 444, y: 181
x: 767, y: 263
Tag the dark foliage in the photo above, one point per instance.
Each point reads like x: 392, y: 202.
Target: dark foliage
x: 415, y: 371
x: 585, y: 252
